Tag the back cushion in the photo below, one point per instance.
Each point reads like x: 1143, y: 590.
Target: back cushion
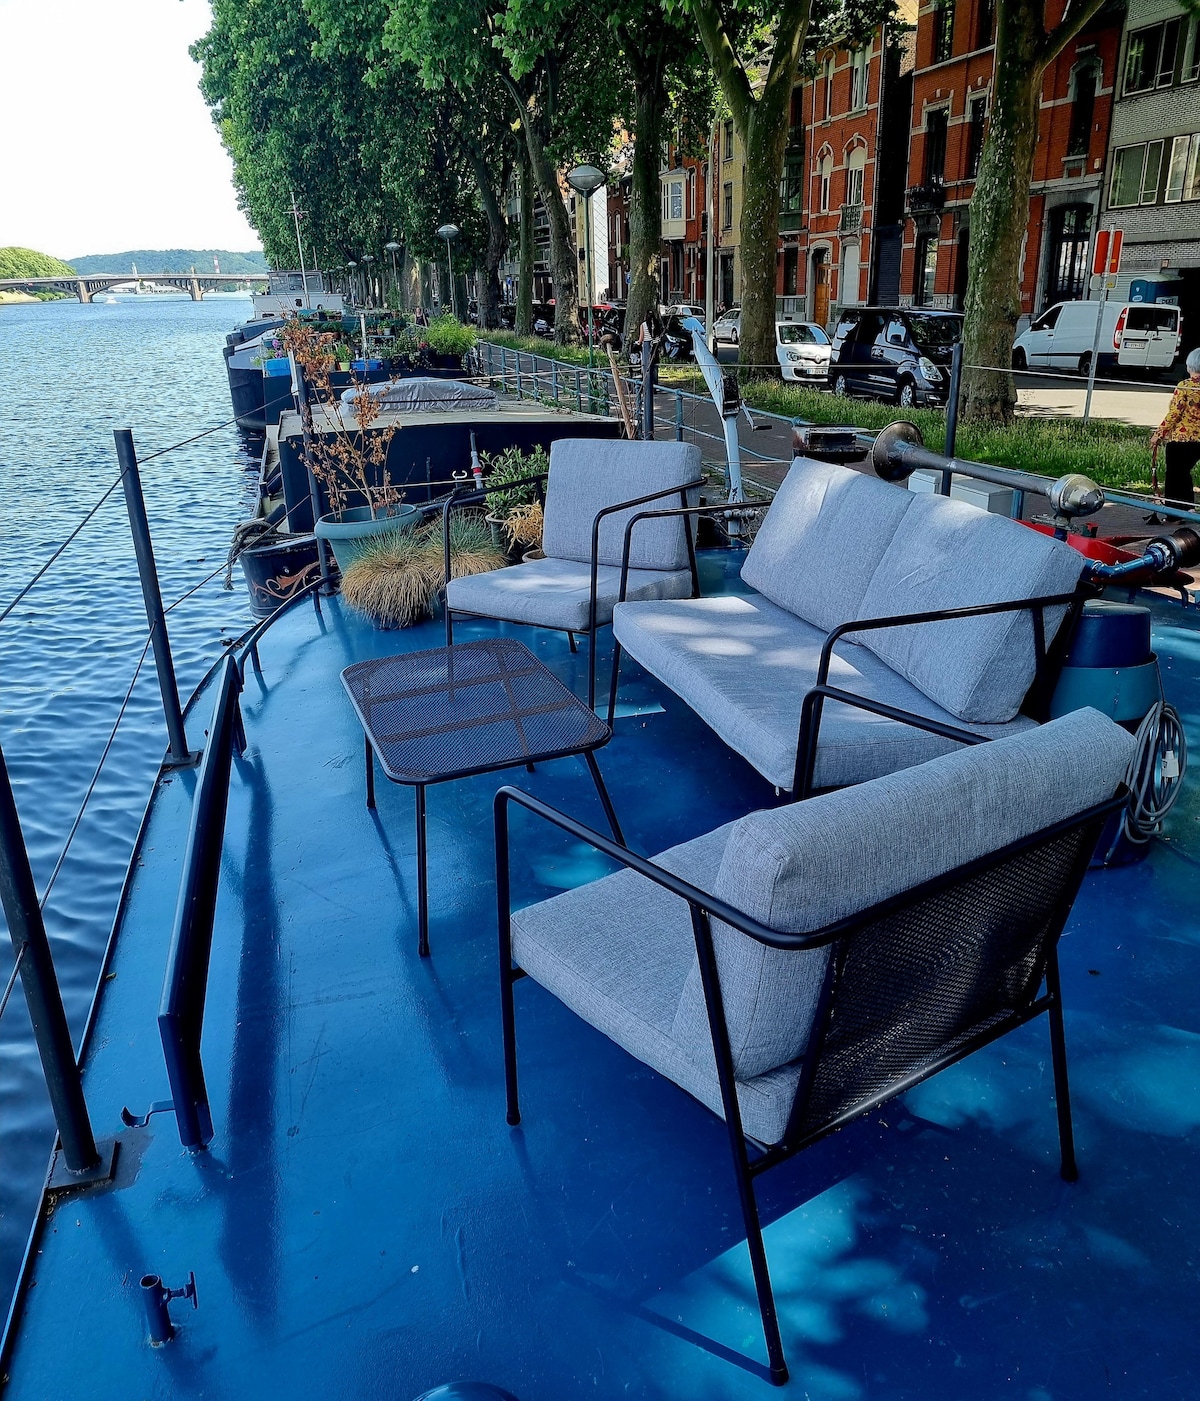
x: 587, y: 474
x: 821, y: 540
x: 805, y: 866
x: 946, y: 554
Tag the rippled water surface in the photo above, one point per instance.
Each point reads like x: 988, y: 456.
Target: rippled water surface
x: 69, y: 375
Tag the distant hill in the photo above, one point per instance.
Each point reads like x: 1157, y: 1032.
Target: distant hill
x: 25, y: 262
x: 151, y: 260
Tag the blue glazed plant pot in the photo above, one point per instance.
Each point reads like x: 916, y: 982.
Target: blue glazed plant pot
x: 349, y: 532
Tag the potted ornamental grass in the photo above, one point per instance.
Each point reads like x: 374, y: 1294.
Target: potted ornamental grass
x: 514, y: 513
x: 346, y: 451
x: 395, y: 578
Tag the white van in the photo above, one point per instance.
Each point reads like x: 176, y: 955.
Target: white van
x: 1134, y: 335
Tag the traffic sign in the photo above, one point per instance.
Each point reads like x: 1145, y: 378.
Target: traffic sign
x: 1106, y: 252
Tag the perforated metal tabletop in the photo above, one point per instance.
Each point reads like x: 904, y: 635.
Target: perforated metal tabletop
x: 468, y: 709
x: 473, y: 708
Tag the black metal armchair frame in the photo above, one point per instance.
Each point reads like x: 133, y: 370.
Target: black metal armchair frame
x: 473, y: 498
x: 900, y: 1000
x: 1047, y: 661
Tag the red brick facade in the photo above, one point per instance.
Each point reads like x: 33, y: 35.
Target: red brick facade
x: 951, y: 96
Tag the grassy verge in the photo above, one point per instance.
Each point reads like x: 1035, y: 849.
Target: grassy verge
x: 535, y: 345
x: 1113, y: 454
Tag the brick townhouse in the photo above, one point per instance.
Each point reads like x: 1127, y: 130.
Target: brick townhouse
x: 841, y: 198
x: 951, y: 95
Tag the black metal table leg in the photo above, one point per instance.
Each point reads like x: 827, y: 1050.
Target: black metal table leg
x: 370, y: 772
x: 605, y: 800
x: 422, y: 877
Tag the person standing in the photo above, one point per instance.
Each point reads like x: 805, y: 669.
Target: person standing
x: 1179, y: 435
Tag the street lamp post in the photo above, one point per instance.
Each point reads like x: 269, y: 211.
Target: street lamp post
x: 351, y: 268
x: 449, y: 232
x: 585, y: 180
x: 369, y: 298
x: 391, y: 249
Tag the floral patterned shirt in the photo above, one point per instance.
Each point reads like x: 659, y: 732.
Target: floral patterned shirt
x: 1182, y: 423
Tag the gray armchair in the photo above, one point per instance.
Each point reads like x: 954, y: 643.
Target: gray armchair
x: 594, y: 487
x: 800, y: 967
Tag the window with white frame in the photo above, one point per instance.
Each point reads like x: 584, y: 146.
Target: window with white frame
x: 827, y: 75
x: 1151, y: 54
x: 858, y: 79
x: 824, y: 176
x: 672, y: 198
x: 856, y: 167
x: 1190, y: 70
x: 691, y: 192
x: 727, y: 205
x: 728, y: 140
x: 1183, y: 169
x: 1135, y: 175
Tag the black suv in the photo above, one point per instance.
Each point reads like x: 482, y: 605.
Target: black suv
x: 897, y: 353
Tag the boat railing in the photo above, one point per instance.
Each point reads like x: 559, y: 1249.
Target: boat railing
x: 80, y: 1159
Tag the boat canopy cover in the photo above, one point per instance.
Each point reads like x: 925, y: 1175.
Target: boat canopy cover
x: 423, y: 395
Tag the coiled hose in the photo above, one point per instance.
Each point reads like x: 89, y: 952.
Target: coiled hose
x: 1155, y: 773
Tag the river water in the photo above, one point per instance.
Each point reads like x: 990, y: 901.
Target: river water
x: 69, y: 375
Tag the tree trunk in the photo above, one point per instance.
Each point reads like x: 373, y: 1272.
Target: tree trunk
x: 761, y: 115
x: 1000, y: 214
x: 524, y: 321
x: 765, y: 142
x: 497, y: 244
x: 402, y: 279
x: 563, y: 258
x: 645, y: 202
x: 426, y: 284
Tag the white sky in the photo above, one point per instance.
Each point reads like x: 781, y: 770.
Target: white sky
x: 108, y: 144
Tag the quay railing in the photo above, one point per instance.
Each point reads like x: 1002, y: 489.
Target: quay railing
x: 673, y: 411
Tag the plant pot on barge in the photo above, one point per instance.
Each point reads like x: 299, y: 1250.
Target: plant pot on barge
x: 349, y: 532
x: 348, y: 455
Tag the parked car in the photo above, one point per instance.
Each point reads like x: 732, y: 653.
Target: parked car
x: 682, y: 310
x: 1133, y: 335
x: 897, y: 353
x: 803, y: 351
x: 728, y: 327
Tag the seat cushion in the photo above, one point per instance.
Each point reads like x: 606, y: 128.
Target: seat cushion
x: 618, y: 951
x: 745, y: 665
x: 554, y: 593
x: 821, y: 540
x: 947, y: 554
x: 588, y: 474
x: 805, y: 866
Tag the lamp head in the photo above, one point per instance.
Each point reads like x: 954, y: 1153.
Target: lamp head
x: 392, y: 247
x: 585, y: 179
x: 448, y: 232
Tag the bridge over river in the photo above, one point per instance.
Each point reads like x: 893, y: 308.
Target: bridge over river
x: 86, y: 285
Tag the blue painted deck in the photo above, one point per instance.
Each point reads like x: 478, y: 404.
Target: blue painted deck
x: 365, y: 1224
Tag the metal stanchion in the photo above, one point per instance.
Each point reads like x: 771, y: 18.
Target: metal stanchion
x: 139, y: 526
x: 80, y: 1154
x: 678, y: 417
x: 304, y: 409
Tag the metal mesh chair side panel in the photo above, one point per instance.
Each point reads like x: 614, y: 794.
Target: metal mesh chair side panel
x: 924, y: 982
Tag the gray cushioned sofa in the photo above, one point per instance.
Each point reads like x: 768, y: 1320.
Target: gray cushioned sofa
x: 838, y: 547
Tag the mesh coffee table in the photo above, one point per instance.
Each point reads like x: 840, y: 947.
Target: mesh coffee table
x: 473, y: 708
